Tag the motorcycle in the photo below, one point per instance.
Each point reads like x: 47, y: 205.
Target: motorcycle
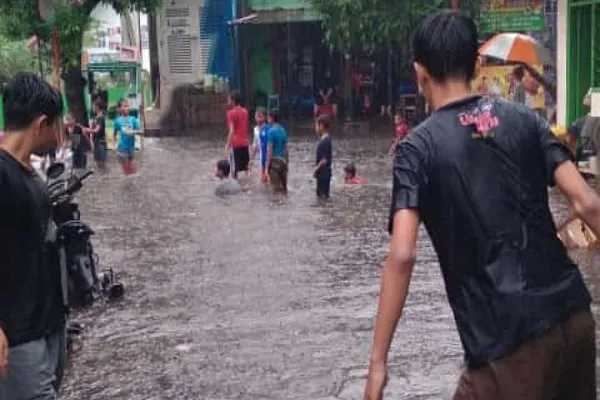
x: 83, y: 284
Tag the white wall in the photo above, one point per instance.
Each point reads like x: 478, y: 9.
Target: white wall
x: 178, y: 33
x: 561, y: 62
x: 108, y: 18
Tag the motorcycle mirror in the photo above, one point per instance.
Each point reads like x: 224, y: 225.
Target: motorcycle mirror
x: 55, y: 170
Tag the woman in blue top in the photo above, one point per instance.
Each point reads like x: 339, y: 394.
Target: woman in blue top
x: 126, y: 127
x: 277, y: 153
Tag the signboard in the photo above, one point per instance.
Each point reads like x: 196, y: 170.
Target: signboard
x: 512, y: 16
x: 498, y: 81
x: 511, y: 21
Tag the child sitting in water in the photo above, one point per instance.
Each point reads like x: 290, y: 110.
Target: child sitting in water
x: 350, y: 177
x: 227, y: 185
x: 402, y: 130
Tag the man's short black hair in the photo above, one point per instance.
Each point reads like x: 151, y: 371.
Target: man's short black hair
x: 261, y: 110
x: 224, y: 167
x: 324, y: 121
x: 121, y: 101
x: 274, y: 114
x: 236, y: 98
x: 27, y: 97
x: 350, y: 169
x: 446, y: 44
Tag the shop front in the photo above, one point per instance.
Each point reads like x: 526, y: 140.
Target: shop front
x: 582, y: 54
x: 283, y: 58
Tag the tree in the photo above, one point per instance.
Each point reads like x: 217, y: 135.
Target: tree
x: 368, y: 25
x: 15, y: 57
x: 72, y: 18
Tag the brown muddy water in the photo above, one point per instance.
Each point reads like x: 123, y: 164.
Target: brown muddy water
x: 252, y: 299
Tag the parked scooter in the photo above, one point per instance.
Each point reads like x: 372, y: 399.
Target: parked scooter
x: 83, y: 284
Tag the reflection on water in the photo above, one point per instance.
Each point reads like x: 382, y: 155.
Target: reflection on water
x: 244, y: 298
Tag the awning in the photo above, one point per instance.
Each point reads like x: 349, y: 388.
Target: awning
x: 278, y: 17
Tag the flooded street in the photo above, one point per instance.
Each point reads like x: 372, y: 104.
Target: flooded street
x: 245, y: 298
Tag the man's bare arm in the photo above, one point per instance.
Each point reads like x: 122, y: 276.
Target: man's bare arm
x: 230, y: 136
x: 395, y: 281
x: 3, y: 354
x: 584, y: 200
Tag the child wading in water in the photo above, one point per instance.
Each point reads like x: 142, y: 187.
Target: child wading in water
x: 401, y: 132
x: 80, y: 143
x: 322, y: 172
x: 350, y: 177
x: 126, y: 127
x: 277, y: 154
x: 261, y: 132
x: 227, y: 185
x: 98, y: 132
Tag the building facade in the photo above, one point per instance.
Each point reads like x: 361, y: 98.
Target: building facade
x: 578, y: 56
x: 280, y: 42
x: 193, y: 42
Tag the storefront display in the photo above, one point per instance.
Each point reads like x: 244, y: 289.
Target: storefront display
x: 498, y: 80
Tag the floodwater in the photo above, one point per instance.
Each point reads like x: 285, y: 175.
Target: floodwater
x: 253, y: 299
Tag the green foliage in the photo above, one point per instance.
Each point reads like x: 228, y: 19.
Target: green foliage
x: 15, y: 57
x: 367, y: 25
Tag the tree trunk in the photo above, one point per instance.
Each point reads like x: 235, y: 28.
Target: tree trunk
x: 74, y: 88
x: 154, y: 63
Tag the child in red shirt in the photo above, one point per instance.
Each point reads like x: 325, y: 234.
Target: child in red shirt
x: 350, y: 177
x: 402, y: 130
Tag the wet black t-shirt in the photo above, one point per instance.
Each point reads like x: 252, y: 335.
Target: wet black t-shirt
x: 79, y: 143
x: 324, y: 151
x: 100, y: 136
x: 477, y: 171
x: 30, y: 279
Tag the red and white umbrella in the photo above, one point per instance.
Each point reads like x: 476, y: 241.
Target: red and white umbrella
x: 516, y: 47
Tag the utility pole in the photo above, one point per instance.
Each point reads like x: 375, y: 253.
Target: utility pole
x: 56, y: 56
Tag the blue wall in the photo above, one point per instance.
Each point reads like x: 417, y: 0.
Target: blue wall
x: 214, y: 18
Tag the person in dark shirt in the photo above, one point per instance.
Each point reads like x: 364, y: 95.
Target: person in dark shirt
x: 32, y: 311
x: 476, y: 173
x: 322, y: 172
x: 80, y: 142
x: 98, y: 133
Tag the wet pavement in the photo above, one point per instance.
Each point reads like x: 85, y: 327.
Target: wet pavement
x: 251, y: 298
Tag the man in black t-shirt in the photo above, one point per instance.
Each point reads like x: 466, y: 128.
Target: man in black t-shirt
x: 476, y: 173
x: 32, y: 306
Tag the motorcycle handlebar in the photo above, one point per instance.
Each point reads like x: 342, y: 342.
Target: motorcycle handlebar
x: 72, y: 187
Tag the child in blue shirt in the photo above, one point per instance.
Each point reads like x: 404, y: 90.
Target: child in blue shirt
x: 126, y: 127
x: 261, y: 133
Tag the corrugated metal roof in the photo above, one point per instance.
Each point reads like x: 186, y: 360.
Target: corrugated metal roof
x: 278, y: 17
